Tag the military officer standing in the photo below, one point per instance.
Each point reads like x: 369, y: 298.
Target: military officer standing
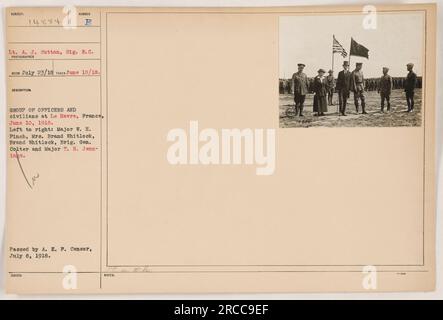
x: 409, y: 85
x: 300, y: 85
x: 343, y: 87
x: 330, y: 86
x: 385, y: 88
x: 358, y: 87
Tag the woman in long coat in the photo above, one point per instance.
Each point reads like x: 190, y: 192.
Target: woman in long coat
x: 321, y: 92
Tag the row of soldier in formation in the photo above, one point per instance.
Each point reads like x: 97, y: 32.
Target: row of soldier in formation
x: 285, y: 85
x: 324, y: 87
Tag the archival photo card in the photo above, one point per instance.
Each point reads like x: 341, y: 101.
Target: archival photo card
x: 145, y: 153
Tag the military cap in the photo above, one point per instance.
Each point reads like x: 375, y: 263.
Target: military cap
x: 345, y: 63
x: 410, y: 64
x: 386, y: 68
x: 359, y: 64
x: 301, y: 65
x: 330, y: 71
x: 321, y: 70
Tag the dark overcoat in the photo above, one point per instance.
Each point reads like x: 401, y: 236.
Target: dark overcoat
x: 344, y: 82
x: 320, y: 90
x: 410, y: 81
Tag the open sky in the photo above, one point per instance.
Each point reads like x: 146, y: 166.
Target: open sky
x: 397, y: 40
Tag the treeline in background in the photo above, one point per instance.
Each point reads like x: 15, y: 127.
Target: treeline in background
x: 371, y: 84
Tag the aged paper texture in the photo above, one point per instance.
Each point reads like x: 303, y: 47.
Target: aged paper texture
x: 206, y: 150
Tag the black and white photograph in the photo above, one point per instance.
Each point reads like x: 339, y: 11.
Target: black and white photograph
x: 351, y: 70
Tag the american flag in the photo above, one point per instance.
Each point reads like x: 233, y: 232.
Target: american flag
x: 338, y: 48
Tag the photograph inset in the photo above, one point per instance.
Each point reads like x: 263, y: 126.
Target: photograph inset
x: 335, y: 71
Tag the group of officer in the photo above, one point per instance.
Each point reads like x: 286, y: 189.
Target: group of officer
x: 347, y: 81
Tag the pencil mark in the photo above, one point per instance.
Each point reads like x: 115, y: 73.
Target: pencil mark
x: 35, y: 178
x: 23, y: 172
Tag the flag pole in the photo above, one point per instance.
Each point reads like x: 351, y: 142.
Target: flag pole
x: 350, y: 46
x: 333, y: 38
x: 333, y: 52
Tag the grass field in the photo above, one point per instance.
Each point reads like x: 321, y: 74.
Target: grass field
x: 397, y: 117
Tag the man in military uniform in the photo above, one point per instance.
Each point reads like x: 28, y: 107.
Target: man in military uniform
x: 409, y: 85
x: 358, y: 87
x: 281, y: 88
x: 343, y: 87
x: 300, y: 86
x: 385, y: 88
x: 288, y: 86
x: 330, y: 86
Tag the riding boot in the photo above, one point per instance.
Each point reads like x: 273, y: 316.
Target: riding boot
x: 363, y: 108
